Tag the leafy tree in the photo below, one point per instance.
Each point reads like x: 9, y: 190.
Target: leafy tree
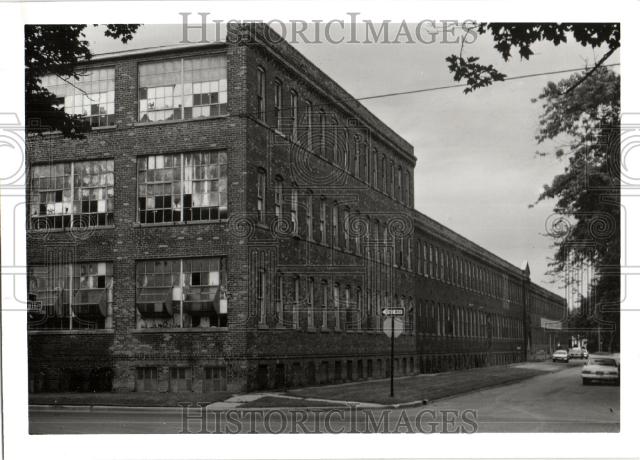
x: 59, y: 50
x: 522, y: 37
x: 584, y: 116
x: 582, y: 112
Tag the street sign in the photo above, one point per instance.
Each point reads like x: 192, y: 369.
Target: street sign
x: 398, y: 327
x: 393, y: 312
x: 35, y: 306
x: 550, y: 324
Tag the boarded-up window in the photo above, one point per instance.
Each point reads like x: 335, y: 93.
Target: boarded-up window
x: 215, y: 379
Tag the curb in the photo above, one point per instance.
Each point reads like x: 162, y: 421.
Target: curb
x: 345, y: 405
x: 71, y: 408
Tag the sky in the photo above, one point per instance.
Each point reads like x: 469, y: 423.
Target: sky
x: 477, y: 170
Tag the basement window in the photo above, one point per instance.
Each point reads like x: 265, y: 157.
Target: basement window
x: 180, y: 379
x: 146, y: 379
x: 215, y: 379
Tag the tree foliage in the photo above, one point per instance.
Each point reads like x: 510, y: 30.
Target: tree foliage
x: 508, y: 37
x: 581, y: 113
x: 586, y: 121
x: 59, y: 50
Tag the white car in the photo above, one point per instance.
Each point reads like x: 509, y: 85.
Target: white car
x: 600, y: 369
x: 560, y: 355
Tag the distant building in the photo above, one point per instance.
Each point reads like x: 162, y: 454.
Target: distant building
x: 236, y: 221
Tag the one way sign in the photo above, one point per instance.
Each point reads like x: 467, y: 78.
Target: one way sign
x: 393, y: 312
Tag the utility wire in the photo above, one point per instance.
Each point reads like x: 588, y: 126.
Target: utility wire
x: 461, y: 85
x: 438, y: 88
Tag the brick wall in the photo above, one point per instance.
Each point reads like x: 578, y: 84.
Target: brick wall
x: 259, y: 355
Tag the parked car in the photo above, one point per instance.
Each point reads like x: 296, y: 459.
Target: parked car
x: 600, y: 369
x: 560, y: 355
x: 575, y: 353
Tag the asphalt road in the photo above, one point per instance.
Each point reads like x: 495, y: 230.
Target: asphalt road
x: 556, y: 402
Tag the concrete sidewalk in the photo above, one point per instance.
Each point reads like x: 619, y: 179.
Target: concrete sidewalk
x: 410, y: 391
x: 420, y: 389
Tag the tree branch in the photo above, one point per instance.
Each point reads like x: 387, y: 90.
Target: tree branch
x: 590, y: 72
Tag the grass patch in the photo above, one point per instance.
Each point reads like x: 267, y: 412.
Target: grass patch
x: 421, y: 387
x: 126, y: 399
x: 274, y: 401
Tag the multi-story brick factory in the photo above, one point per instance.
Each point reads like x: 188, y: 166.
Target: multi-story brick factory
x: 236, y: 221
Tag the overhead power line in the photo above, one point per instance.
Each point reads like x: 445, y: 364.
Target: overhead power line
x: 462, y: 85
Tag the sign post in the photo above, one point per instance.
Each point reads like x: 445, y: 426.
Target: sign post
x: 393, y: 322
x: 390, y: 330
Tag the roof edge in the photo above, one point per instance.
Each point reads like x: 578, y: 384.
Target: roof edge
x: 152, y: 50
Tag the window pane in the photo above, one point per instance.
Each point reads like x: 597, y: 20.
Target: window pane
x: 92, y: 94
x: 205, y: 185
x: 181, y: 293
x: 182, y: 89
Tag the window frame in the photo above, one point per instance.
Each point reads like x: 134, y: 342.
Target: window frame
x: 79, y: 93
x: 309, y: 125
x: 81, y: 217
x: 261, y: 93
x: 186, y: 217
x: 309, y: 216
x: 335, y: 225
x: 295, y: 224
x: 293, y: 107
x: 67, y: 281
x: 181, y: 288
x: 323, y: 220
x: 277, y: 103
x: 261, y: 195
x: 182, y: 105
x: 346, y: 213
x: 278, y: 197
x: 261, y: 296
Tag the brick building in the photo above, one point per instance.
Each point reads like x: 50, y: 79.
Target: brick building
x: 235, y: 220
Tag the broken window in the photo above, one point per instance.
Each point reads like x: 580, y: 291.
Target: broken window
x: 76, y: 194
x: 91, y: 96
x: 71, y: 296
x: 182, y: 187
x: 182, y: 89
x: 181, y: 293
